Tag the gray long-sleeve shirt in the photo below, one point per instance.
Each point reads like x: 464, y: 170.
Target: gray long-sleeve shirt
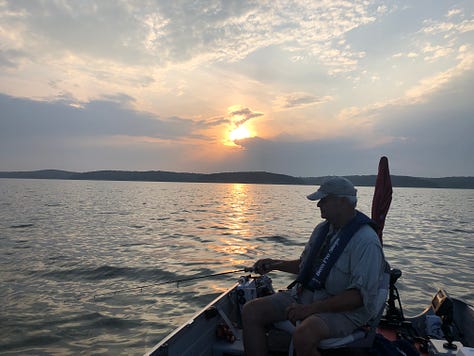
x: 360, y: 266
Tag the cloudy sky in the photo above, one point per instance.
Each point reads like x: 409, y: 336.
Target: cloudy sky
x: 305, y: 88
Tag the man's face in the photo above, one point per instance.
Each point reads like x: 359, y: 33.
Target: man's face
x: 330, y: 207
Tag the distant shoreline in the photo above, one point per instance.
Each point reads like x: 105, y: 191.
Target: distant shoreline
x: 253, y: 177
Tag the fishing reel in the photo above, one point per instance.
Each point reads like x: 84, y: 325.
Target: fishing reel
x: 253, y: 287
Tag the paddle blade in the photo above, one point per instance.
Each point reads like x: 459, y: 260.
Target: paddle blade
x: 382, y: 196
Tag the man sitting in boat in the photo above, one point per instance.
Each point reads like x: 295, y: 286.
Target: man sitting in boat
x: 338, y: 277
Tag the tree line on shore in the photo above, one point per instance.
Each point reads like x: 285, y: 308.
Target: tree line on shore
x: 252, y: 177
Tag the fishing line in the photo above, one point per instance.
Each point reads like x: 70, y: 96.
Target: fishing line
x: 177, y: 281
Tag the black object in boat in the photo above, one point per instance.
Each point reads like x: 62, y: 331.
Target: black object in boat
x: 394, y: 315
x: 443, y: 307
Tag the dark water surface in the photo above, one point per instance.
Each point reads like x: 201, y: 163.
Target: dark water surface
x: 64, y: 244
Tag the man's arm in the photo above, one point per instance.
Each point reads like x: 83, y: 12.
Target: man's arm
x: 267, y: 264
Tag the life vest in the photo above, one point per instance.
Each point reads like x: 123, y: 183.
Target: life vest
x: 314, y: 276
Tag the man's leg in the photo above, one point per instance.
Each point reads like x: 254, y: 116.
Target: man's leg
x: 257, y: 314
x: 309, y: 334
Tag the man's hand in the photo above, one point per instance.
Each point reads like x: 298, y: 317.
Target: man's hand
x: 297, y: 312
x: 264, y: 266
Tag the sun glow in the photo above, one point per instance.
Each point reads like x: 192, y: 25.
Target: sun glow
x: 239, y: 133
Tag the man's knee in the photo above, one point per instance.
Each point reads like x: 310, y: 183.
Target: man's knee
x: 251, y: 311
x: 309, y: 333
x: 257, y: 312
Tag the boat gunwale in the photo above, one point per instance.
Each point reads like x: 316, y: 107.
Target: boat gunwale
x: 191, y: 320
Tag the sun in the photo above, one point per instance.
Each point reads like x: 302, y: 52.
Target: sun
x: 239, y: 133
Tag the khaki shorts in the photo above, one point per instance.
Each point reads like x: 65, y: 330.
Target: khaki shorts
x: 339, y: 324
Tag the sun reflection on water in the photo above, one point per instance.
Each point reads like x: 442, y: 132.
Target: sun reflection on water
x: 236, y: 212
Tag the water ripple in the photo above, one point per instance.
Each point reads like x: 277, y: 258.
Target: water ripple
x: 107, y: 273
x: 21, y: 226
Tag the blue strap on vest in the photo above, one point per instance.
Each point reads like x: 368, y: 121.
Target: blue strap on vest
x: 314, y: 277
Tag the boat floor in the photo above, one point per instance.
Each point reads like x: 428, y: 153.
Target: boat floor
x: 280, y: 340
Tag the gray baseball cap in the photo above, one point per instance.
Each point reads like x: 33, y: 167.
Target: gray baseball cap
x: 337, y: 186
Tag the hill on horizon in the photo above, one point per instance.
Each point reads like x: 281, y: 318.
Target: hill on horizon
x: 251, y: 177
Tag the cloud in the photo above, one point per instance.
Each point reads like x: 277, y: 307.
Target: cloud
x: 91, y: 29
x: 448, y: 29
x: 213, y: 122
x: 9, y: 58
x: 308, y: 158
x: 433, y: 53
x: 454, y: 12
x: 101, y: 134
x: 240, y: 115
x: 429, y: 132
x: 23, y: 119
x: 162, y: 33
x: 424, y: 89
x: 299, y: 100
x: 430, y: 85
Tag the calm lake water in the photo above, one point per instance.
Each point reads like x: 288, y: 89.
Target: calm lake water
x: 62, y: 243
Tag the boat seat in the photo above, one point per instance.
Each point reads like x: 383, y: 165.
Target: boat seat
x: 361, y: 337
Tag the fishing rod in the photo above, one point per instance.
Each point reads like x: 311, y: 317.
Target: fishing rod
x: 177, y: 281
